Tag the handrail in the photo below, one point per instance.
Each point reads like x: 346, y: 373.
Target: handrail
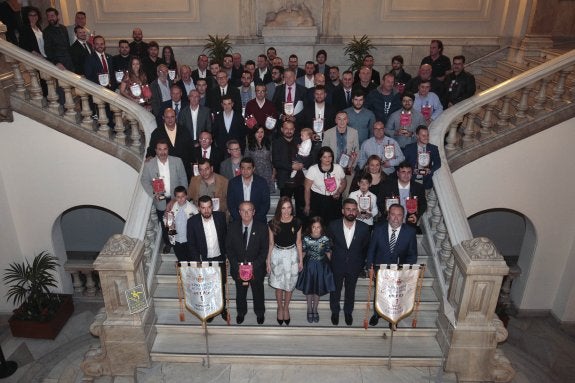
x: 487, y: 56
x: 138, y: 213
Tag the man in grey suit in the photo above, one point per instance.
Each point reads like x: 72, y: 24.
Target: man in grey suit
x: 172, y: 173
x: 195, y: 118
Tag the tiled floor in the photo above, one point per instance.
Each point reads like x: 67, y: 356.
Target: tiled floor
x: 539, y: 350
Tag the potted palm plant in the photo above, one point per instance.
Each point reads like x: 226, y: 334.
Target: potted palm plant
x: 217, y: 47
x: 356, y: 50
x: 40, y: 313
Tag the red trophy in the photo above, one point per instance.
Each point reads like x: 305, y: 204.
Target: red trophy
x: 159, y: 187
x: 411, y: 205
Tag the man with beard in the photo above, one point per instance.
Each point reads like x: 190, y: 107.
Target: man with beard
x: 99, y: 62
x: 350, y: 239
x: 383, y: 101
x: 293, y: 64
x: 399, y: 74
x: 79, y: 21
x: 138, y: 47
x: 56, y: 41
x: 209, y: 183
x: 80, y: 50
x: 424, y: 74
x: 360, y: 118
x: 121, y: 62
x: 402, y: 123
x: 459, y: 83
x: 368, y: 61
x: 319, y: 112
x: 423, y: 173
x: 277, y: 80
x: 440, y: 63
x: 151, y: 61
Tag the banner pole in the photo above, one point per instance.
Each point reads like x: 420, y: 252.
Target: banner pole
x: 228, y: 316
x: 180, y: 291
x: 418, y: 301
x: 368, y: 304
x: 207, y: 343
x: 390, y: 346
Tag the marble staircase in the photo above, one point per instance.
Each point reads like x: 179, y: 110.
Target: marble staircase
x: 301, y: 342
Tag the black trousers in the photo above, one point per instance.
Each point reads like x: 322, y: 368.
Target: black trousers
x: 257, y: 294
x: 349, y: 281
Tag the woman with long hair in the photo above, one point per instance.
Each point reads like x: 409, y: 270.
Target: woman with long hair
x: 378, y: 176
x: 285, y: 258
x: 31, y: 36
x: 169, y: 59
x: 134, y: 76
x: 260, y: 149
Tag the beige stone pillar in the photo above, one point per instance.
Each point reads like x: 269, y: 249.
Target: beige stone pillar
x: 126, y: 339
x: 474, y: 290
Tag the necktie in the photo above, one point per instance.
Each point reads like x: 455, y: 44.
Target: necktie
x: 86, y: 47
x: 104, y: 64
x: 289, y: 99
x: 347, y: 96
x: 205, y: 154
x: 177, y: 108
x: 246, y: 237
x: 392, y: 241
x: 223, y: 92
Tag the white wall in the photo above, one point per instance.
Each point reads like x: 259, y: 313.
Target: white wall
x: 42, y: 174
x: 536, y: 178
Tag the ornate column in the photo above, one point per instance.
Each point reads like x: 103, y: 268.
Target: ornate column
x: 125, y: 339
x: 474, y: 290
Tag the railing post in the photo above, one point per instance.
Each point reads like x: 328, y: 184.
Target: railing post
x: 134, y: 133
x: 541, y: 97
x: 52, y: 97
x: 125, y: 339
x: 523, y: 105
x: 474, y: 290
x: 35, y: 89
x: 469, y: 130
x: 559, y: 89
x: 69, y: 104
x: 118, y: 125
x: 103, y: 128
x: 451, y: 138
x: 487, y: 121
x: 504, y: 115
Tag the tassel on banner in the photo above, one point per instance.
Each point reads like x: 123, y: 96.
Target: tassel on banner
x: 180, y: 292
x: 418, y: 300
x: 368, y: 304
x: 228, y: 316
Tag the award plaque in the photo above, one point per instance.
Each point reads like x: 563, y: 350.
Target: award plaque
x: 426, y: 111
x: 344, y: 160
x: 136, y: 90
x: 364, y: 203
x: 246, y: 271
x: 270, y: 123
x: 400, y: 87
x: 104, y: 79
x: 318, y: 125
x: 146, y: 92
x: 405, y: 119
x: 215, y: 204
x: 330, y: 184
x: 391, y: 201
x: 289, y: 108
x: 411, y: 205
x: 171, y: 74
x: 196, y: 169
x: 251, y: 121
x: 159, y: 187
x: 119, y: 75
x: 423, y: 161
x: 389, y: 152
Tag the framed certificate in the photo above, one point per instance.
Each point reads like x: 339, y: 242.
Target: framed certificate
x: 364, y: 202
x: 391, y: 201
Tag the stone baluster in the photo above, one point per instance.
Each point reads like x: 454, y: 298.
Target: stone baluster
x: 445, y: 253
x: 504, y: 115
x: 559, y: 89
x: 431, y: 199
x: 134, y: 133
x: 541, y: 97
x: 20, y: 90
x: 523, y: 105
x: 119, y: 127
x: 436, y: 217
x: 87, y: 122
x: 150, y: 239
x: 440, y: 234
x: 77, y: 282
x: 69, y: 104
x: 452, y: 138
x: 53, y: 104
x: 36, y: 95
x: 90, y: 284
x: 469, y: 130
x: 487, y: 121
x: 505, y: 294
x: 103, y: 128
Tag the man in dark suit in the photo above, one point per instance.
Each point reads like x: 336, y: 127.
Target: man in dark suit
x: 172, y: 171
x: 293, y: 64
x: 181, y: 146
x: 160, y: 88
x: 422, y: 173
x: 319, y: 109
x: 208, y: 224
x: 223, y: 89
x: 399, y: 190
x: 350, y: 238
x: 262, y: 74
x: 80, y: 49
x: 393, y: 243
x: 247, y: 241
x: 229, y: 124
x: 202, y: 71
x: 99, y: 62
x: 207, y: 150
x: 195, y: 118
x: 342, y: 95
x: 286, y: 93
x: 248, y: 187
x: 176, y: 102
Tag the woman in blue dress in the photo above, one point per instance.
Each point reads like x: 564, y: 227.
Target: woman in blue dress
x: 316, y: 278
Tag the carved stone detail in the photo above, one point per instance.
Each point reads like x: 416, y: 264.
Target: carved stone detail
x: 96, y: 362
x: 481, y: 248
x: 501, y: 369
x: 291, y: 14
x: 118, y: 244
x: 501, y: 332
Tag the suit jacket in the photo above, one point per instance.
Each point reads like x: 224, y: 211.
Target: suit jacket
x: 267, y: 78
x: 256, y: 252
x: 330, y: 139
x: 214, y: 98
x: 375, y: 77
x: 259, y: 195
x: 309, y: 115
x: 391, y: 189
x: 181, y: 149
x: 57, y: 44
x: 237, y: 130
x: 93, y: 67
x: 236, y: 75
x: 279, y: 99
x: 177, y: 178
x: 204, y: 121
x: 343, y: 259
x: 197, y: 245
x: 404, y: 252
x: 216, y: 156
x: 325, y: 70
x: 79, y: 56
x: 156, y: 100
x: 339, y: 99
x: 168, y: 104
x: 182, y: 86
x: 196, y: 75
x: 27, y: 40
x: 220, y: 190
x: 410, y: 153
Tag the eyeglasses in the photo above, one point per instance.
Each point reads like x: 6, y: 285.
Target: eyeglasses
x: 234, y: 149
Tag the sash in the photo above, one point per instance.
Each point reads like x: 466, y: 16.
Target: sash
x: 201, y: 285
x: 395, y: 291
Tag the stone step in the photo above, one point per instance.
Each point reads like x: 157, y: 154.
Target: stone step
x: 359, y: 347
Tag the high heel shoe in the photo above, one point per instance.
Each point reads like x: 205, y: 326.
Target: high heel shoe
x: 287, y: 321
x: 280, y: 321
x: 310, y: 317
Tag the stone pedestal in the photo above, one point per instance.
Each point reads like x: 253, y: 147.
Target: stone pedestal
x: 290, y: 35
x: 476, y: 281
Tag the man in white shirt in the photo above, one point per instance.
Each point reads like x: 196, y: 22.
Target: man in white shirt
x: 386, y: 148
